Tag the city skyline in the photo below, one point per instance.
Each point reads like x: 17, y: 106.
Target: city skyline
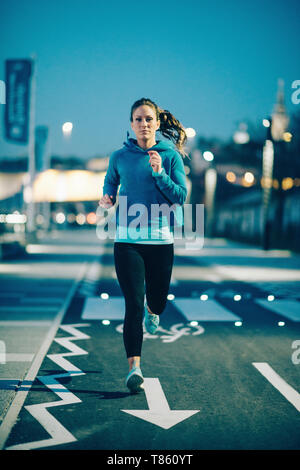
x: 213, y: 65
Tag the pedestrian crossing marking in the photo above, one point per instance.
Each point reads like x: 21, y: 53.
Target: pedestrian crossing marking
x: 287, y: 308
x: 208, y: 310
x: 96, y: 308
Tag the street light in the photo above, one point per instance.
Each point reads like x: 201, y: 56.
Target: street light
x: 267, y: 177
x: 67, y: 128
x: 241, y: 136
x: 190, y: 132
x: 208, y: 156
x: 210, y: 182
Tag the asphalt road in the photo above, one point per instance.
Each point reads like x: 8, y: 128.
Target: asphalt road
x: 227, y: 381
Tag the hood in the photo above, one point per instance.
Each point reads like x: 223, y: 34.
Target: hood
x: 131, y: 144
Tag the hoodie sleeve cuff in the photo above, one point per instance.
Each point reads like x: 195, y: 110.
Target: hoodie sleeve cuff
x: 157, y: 174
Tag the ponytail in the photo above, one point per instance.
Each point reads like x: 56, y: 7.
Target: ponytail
x: 170, y: 127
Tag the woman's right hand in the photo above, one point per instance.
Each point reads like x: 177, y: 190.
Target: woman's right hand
x: 106, y: 201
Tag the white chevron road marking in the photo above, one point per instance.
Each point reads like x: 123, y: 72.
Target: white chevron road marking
x: 59, y: 434
x: 159, y: 412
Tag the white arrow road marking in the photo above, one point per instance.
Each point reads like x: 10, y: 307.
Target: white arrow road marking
x: 59, y: 434
x: 159, y: 412
x: 284, y: 388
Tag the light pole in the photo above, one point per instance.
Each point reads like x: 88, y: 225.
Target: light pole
x: 267, y: 179
x: 210, y: 183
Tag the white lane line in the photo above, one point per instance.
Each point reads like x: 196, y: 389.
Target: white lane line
x: 283, y: 387
x: 14, y: 410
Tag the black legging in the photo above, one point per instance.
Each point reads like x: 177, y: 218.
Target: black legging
x: 138, y: 265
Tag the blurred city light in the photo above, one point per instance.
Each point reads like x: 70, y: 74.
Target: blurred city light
x: 241, y: 136
x: 287, y: 183
x: 230, y: 176
x: 80, y: 219
x: 208, y: 156
x: 91, y: 218
x: 287, y: 136
x: 67, y: 128
x: 71, y: 218
x: 249, y: 177
x: 13, y: 218
x: 190, y: 132
x: 60, y: 217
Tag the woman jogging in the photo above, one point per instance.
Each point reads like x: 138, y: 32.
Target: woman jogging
x: 151, y: 173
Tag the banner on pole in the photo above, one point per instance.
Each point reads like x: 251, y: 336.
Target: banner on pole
x: 18, y: 73
x: 41, y: 155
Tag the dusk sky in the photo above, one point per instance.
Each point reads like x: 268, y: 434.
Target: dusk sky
x: 211, y: 63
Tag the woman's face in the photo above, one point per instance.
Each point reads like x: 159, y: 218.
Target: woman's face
x: 144, y: 123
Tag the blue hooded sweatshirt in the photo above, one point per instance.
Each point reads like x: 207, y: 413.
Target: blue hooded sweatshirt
x: 146, y: 190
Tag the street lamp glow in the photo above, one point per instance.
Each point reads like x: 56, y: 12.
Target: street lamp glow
x: 60, y: 217
x: 190, y: 132
x: 67, y: 128
x: 248, y: 177
x: 80, y: 219
x: 208, y: 156
x: 287, y: 183
x: 287, y: 136
x: 241, y: 137
x: 230, y: 176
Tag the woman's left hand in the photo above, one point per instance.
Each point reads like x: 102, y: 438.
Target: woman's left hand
x: 155, y: 160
